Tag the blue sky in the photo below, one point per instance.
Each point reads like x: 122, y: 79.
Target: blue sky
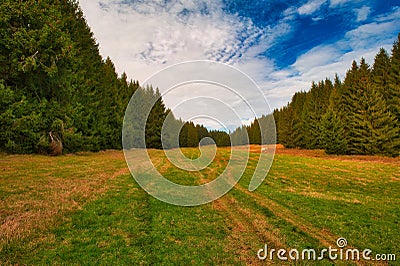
x: 322, y: 23
x: 282, y: 45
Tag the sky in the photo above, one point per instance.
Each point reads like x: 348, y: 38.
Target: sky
x: 282, y: 45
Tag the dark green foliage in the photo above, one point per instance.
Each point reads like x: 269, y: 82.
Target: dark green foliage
x: 380, y: 73
x: 183, y: 135
x: 240, y: 136
x: 394, y: 81
x: 284, y: 122
x: 316, y: 102
x: 170, y: 133
x: 357, y: 116
x: 370, y: 127
x: 289, y: 124
x: 51, y: 73
x: 220, y: 138
x: 202, y: 133
x: 332, y: 134
x: 268, y: 129
x: 254, y: 132
x: 155, y: 121
x: 192, y: 137
x: 260, y: 131
x: 188, y: 136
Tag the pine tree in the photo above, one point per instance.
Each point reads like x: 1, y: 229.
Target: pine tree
x: 155, y: 120
x: 380, y: 73
x: 353, y: 106
x: 268, y: 129
x: 332, y: 134
x: 393, y: 100
x: 298, y: 133
x: 358, y: 116
x: 254, y: 132
x: 240, y: 136
x: 192, y: 137
x: 385, y: 135
x: 284, y: 121
x: 371, y: 128
x: 202, y: 133
x: 183, y: 136
x: 336, y: 94
x: 315, y: 106
x: 170, y: 131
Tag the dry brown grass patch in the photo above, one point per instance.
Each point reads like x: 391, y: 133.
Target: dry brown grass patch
x: 38, y: 191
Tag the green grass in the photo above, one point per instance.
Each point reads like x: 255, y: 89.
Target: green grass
x: 87, y: 210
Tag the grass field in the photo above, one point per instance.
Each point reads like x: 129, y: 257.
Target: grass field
x: 87, y: 209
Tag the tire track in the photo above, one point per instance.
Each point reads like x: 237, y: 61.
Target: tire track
x: 324, y: 237
x: 250, y: 230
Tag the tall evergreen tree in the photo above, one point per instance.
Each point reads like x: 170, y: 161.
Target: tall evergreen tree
x: 369, y: 124
x: 298, y: 132
x: 356, y: 116
x: 192, y: 137
x: 380, y: 73
x: 254, y: 132
x: 315, y: 106
x: 394, y: 81
x: 332, y: 134
x: 155, y: 120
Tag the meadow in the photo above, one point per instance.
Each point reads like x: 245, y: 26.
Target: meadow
x: 86, y: 209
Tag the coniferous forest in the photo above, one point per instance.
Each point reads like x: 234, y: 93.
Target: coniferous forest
x: 58, y: 95
x: 359, y: 115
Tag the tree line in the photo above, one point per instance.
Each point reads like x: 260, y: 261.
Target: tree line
x: 261, y: 131
x: 149, y: 124
x: 55, y: 88
x: 359, y: 115
x: 58, y: 95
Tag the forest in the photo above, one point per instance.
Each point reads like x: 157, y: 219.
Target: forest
x: 359, y: 115
x: 56, y: 89
x: 58, y: 95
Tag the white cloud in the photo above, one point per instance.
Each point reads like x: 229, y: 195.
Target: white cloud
x: 147, y: 36
x: 335, y: 3
x: 363, y: 13
x: 372, y: 34
x: 144, y: 37
x: 394, y: 15
x: 310, y: 7
x: 320, y: 55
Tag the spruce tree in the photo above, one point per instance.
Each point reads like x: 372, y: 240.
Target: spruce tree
x: 370, y: 126
x: 155, y: 120
x: 393, y: 99
x: 332, y: 134
x: 315, y: 106
x: 183, y: 136
x: 192, y: 137
x: 380, y: 73
x: 298, y: 133
x: 385, y: 135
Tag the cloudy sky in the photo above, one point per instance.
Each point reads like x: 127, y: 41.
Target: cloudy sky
x: 283, y: 45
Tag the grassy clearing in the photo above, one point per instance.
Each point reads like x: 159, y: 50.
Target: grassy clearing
x: 87, y: 209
